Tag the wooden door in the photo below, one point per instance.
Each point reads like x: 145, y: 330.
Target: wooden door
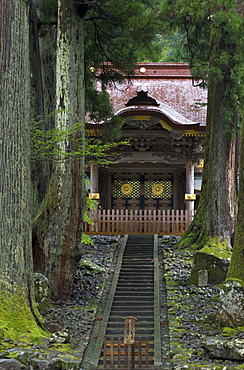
x: 142, y: 191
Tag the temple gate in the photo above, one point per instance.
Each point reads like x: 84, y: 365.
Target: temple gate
x: 163, y: 115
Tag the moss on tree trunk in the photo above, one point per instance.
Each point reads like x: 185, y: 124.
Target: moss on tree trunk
x: 17, y: 321
x: 18, y: 313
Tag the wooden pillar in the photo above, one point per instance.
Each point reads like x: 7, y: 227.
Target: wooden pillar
x: 94, y: 178
x: 190, y: 197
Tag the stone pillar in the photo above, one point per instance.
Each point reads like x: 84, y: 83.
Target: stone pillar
x: 94, y: 178
x: 190, y: 186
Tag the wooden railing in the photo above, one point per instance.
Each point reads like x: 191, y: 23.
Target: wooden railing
x: 162, y: 222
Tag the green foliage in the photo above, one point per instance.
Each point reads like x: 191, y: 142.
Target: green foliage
x: 215, y: 43
x: 86, y: 239
x: 118, y: 31
x: 91, y: 204
x: 172, y: 48
x: 98, y: 103
x: 100, y: 152
x: 55, y: 144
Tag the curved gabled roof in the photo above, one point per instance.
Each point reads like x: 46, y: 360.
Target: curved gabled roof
x: 173, y: 99
x: 166, y: 116
x: 168, y: 112
x: 146, y: 106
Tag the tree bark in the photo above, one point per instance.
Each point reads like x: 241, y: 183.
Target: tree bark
x: 40, y: 106
x: 236, y: 270
x: 214, y: 222
x: 57, y: 247
x: 16, y: 263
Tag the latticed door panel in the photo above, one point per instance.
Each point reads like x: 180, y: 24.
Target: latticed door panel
x: 126, y: 194
x: 126, y: 190
x: 157, y: 189
x: 158, y: 194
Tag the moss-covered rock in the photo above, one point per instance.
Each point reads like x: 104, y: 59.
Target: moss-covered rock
x: 232, y: 303
x: 215, y: 261
x: 11, y: 364
x: 225, y: 348
x: 60, y: 337
x: 50, y: 364
x: 89, y: 265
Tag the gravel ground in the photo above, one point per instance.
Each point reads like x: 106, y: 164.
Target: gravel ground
x: 193, y: 311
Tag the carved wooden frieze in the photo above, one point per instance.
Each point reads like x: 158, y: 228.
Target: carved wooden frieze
x: 142, y: 125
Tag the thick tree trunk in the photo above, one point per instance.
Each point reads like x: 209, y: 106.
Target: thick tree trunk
x: 48, y: 43
x: 17, y: 310
x: 232, y: 291
x: 214, y: 222
x: 57, y: 248
x: 40, y: 170
x: 215, y: 219
x: 236, y: 270
x: 221, y: 175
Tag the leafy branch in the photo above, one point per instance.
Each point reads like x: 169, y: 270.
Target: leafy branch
x: 59, y: 145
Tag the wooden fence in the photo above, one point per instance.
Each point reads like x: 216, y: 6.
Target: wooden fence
x: 162, y: 222
x: 124, y: 356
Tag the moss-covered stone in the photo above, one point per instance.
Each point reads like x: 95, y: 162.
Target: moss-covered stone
x: 215, y: 259
x: 225, y: 348
x: 87, y: 264
x: 232, y: 303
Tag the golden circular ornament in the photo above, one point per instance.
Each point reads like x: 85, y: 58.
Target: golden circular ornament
x: 157, y: 189
x: 126, y: 189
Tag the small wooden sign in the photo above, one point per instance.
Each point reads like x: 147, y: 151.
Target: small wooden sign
x: 130, y: 330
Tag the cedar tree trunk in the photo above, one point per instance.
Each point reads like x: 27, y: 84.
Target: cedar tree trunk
x: 40, y: 169
x: 58, y: 227
x: 18, y: 313
x: 214, y: 221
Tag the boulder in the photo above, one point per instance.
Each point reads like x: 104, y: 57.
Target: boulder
x: 11, y: 364
x: 232, y: 303
x: 42, y: 291
x: 211, y: 262
x: 60, y: 337
x: 89, y: 265
x: 225, y: 348
x: 53, y: 364
x: 71, y: 364
x: 25, y: 355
